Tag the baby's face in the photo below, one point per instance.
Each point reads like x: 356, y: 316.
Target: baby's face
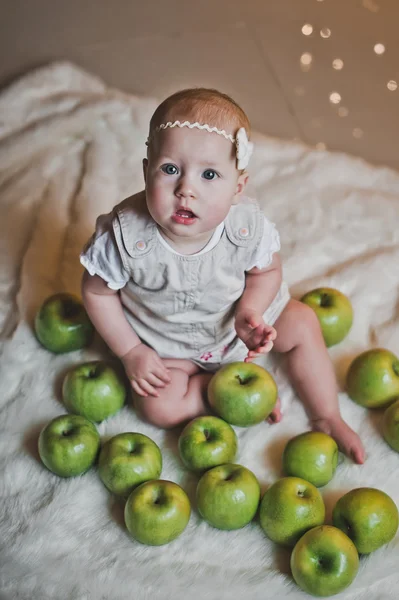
x: 191, y: 182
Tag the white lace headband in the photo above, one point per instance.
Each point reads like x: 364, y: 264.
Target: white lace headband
x: 244, y: 147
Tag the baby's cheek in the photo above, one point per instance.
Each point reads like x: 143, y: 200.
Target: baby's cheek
x: 158, y: 198
x: 217, y: 212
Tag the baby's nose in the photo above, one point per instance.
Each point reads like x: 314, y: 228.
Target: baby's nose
x: 185, y: 188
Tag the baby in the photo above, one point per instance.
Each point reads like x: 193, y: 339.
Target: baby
x: 185, y: 276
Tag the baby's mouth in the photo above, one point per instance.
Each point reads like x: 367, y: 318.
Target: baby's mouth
x: 185, y: 214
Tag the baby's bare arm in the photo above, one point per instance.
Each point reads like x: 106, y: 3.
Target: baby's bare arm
x: 261, y: 287
x: 105, y: 310
x: 143, y: 366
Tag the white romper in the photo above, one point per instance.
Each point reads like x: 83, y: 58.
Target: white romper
x: 183, y: 305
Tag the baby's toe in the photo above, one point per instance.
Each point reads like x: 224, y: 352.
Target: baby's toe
x: 275, y: 416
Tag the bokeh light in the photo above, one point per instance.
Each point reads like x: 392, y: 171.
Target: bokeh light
x: 338, y: 64
x: 392, y: 85
x: 379, y: 49
x: 357, y: 133
x: 306, y: 61
x: 307, y: 29
x: 325, y: 32
x: 335, y: 98
x: 371, y: 5
x: 306, y: 58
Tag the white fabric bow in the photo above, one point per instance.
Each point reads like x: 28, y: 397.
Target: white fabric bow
x: 244, y: 148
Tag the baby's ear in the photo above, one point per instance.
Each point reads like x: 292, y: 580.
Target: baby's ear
x: 145, y: 167
x: 241, y: 183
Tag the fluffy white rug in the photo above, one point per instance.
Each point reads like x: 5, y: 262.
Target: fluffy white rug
x: 70, y: 149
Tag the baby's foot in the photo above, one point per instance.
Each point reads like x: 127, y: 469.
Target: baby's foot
x: 275, y: 415
x: 348, y: 441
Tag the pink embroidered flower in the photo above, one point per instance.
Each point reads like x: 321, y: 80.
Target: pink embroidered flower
x: 225, y: 349
x: 206, y: 356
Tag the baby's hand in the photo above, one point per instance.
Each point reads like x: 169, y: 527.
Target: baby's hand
x: 253, y: 331
x: 145, y: 369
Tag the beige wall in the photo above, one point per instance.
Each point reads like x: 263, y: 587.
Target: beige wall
x: 249, y: 48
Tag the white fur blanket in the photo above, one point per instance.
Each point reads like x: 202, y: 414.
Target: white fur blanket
x: 71, y: 148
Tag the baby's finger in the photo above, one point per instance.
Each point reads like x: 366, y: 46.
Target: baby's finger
x: 138, y: 389
x: 269, y: 333
x: 160, y: 366
x: 147, y: 387
x: 257, y: 335
x: 156, y: 381
x: 252, y: 354
x: 162, y: 373
x: 249, y: 358
x: 273, y: 334
x: 265, y: 348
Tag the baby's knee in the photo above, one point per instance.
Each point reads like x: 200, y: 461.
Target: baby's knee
x: 157, y: 411
x: 305, y: 326
x: 308, y: 322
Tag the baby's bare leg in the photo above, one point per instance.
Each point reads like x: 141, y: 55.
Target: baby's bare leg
x: 184, y: 398
x: 310, y: 368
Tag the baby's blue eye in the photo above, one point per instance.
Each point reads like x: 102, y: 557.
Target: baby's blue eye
x: 169, y: 169
x: 209, y: 174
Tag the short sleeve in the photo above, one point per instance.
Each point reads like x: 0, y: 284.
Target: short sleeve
x: 101, y: 256
x: 269, y: 244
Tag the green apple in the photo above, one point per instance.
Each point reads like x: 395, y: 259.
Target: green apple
x: 127, y: 460
x: 324, y: 562
x: 228, y: 496
x: 242, y: 393
x: 312, y: 456
x: 157, y: 512
x: 289, y: 508
x: 390, y: 425
x: 334, y: 311
x: 69, y: 445
x: 206, y: 442
x: 368, y: 516
x: 94, y: 390
x: 373, y: 378
x: 62, y: 324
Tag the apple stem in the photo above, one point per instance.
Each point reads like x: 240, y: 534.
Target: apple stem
x: 71, y: 309
x: 157, y: 497
x: 245, y: 380
x: 325, y: 300
x: 348, y: 527
x: 95, y: 371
